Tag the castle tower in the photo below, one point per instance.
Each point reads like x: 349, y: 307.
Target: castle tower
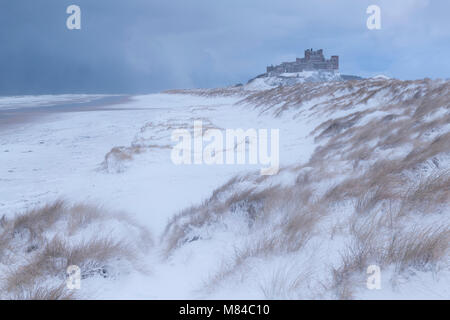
x: 335, y: 62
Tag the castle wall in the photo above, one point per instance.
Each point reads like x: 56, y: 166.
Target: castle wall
x: 313, y: 60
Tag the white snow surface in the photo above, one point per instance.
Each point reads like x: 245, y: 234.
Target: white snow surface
x: 63, y: 156
x: 273, y: 81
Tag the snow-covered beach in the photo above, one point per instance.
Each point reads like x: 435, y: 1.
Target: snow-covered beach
x: 218, y: 231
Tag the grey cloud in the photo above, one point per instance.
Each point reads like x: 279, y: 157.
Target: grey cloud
x: 146, y: 46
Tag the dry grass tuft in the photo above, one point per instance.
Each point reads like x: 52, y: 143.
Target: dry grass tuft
x: 428, y: 194
x: 420, y: 248
x: 45, y: 293
x: 286, y: 283
x: 386, y: 165
x: 39, y: 245
x: 91, y: 256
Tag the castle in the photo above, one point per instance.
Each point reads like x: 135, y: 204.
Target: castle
x: 313, y: 60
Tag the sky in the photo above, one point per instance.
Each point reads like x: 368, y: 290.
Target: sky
x: 144, y: 46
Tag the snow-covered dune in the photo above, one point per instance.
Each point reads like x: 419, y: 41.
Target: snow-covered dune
x: 364, y: 181
x: 288, y: 79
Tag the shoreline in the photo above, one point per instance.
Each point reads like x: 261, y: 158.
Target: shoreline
x: 11, y: 117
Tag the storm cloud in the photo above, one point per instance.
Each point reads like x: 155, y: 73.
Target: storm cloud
x: 140, y: 46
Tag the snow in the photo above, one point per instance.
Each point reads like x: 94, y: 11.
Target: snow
x: 273, y: 81
x: 63, y: 156
x: 380, y: 77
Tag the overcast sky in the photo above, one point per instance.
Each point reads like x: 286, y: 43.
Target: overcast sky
x: 138, y: 46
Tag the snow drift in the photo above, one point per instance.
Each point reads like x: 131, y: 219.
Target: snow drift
x: 365, y: 180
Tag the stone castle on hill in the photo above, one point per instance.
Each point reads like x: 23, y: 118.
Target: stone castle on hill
x: 313, y: 60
